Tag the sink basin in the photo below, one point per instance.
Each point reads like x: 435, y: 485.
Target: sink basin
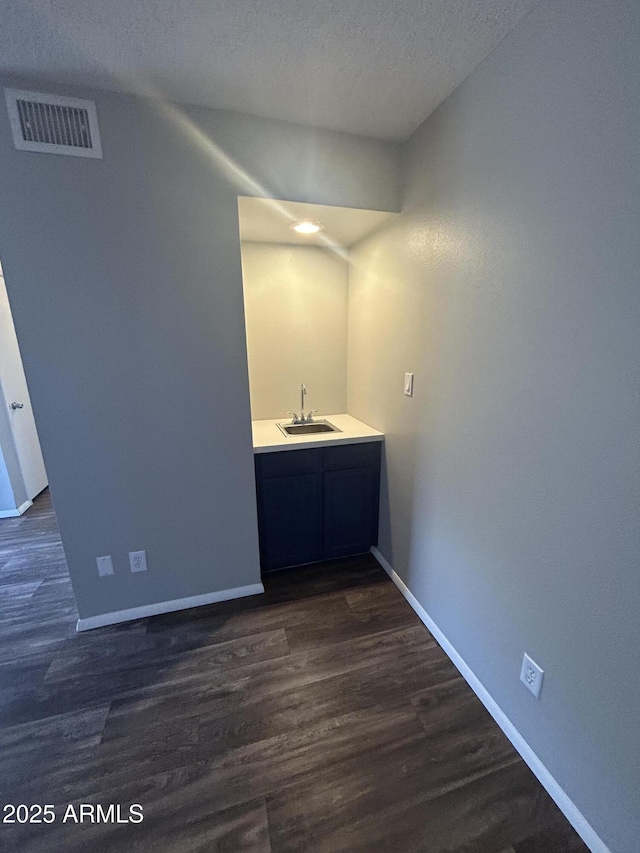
x: 308, y: 429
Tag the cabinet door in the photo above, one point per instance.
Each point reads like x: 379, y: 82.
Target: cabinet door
x: 349, y: 512
x: 290, y: 520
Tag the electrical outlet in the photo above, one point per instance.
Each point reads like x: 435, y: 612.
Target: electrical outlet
x: 531, y: 676
x: 105, y: 565
x: 138, y: 561
x: 408, y: 384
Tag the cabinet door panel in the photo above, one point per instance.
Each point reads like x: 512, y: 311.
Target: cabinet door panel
x: 290, y: 521
x: 348, y: 512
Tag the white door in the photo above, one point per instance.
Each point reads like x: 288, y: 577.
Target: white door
x: 15, y: 397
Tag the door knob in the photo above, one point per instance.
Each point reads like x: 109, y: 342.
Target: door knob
x: 17, y: 405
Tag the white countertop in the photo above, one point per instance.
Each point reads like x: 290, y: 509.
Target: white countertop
x: 267, y: 437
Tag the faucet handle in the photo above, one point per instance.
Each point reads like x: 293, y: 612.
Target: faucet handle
x: 294, y: 418
x: 311, y: 414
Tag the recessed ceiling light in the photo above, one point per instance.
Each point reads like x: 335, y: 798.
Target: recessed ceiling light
x: 307, y: 226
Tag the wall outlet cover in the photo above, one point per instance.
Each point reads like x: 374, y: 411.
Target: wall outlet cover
x: 138, y: 561
x: 105, y: 565
x: 531, y: 676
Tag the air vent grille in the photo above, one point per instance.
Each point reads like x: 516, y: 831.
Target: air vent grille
x: 53, y: 125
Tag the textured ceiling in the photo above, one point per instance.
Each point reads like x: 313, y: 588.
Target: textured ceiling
x: 267, y: 221
x: 372, y: 67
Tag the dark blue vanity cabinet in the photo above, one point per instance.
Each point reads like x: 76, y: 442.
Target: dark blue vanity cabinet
x: 318, y: 503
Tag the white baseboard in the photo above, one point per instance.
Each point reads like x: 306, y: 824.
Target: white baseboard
x: 118, y: 616
x: 14, y: 513
x: 558, y: 795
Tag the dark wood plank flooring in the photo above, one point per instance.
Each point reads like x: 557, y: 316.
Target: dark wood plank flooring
x: 321, y: 716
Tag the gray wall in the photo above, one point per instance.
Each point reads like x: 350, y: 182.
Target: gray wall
x: 510, y: 286
x: 125, y: 283
x: 295, y: 302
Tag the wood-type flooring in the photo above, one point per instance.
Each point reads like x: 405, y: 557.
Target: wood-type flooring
x: 321, y: 716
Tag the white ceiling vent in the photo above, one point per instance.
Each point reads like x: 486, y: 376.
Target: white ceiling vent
x: 53, y: 125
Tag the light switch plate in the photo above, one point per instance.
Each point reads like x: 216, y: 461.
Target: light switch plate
x: 105, y: 565
x: 408, y: 384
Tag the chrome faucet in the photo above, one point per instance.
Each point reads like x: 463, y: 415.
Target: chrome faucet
x: 302, y: 419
